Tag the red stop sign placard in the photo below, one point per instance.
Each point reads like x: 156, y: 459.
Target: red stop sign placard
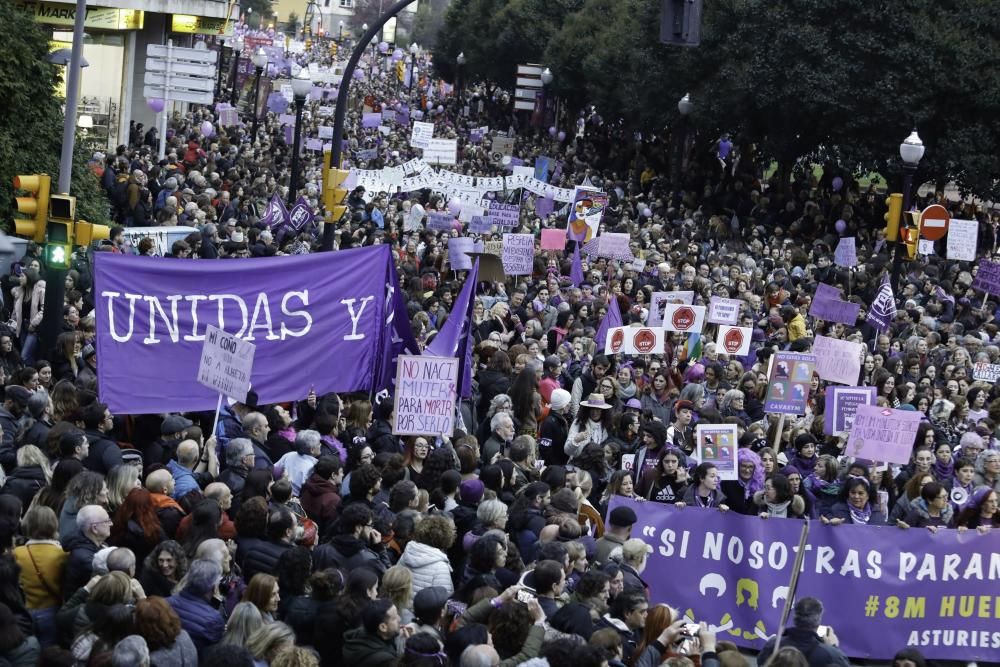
x: 934, y: 222
x: 733, y: 341
x: 683, y: 318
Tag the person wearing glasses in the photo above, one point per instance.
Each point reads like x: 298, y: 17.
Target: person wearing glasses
x: 93, y: 529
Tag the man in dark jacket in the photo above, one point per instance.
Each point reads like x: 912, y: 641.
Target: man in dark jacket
x: 358, y: 544
x: 239, y: 461
x: 198, y: 617
x: 256, y: 428
x: 263, y: 556
x: 15, y: 402
x: 819, y: 651
x: 104, y: 453
x: 380, y: 435
x: 93, y: 529
x: 501, y: 433
x: 320, y: 495
x: 374, y: 643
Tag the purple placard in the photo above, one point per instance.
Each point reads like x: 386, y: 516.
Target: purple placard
x: 152, y: 314
x: 504, y: 215
x: 987, y: 277
x: 314, y: 144
x: 883, y: 434
x: 737, y: 570
x: 825, y: 292
x: 844, y: 312
x: 846, y: 254
x: 544, y: 206
x: 480, y: 224
x: 371, y: 120
x: 440, y: 221
x: 842, y: 404
x: 403, y: 117
x: 457, y: 249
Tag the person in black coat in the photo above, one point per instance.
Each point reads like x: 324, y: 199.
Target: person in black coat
x: 380, y: 437
x: 555, y: 429
x: 263, y: 556
x: 818, y: 651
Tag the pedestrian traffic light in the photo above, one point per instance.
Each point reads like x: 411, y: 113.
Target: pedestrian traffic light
x: 336, y: 195
x: 59, y: 239
x: 895, y: 204
x: 35, y: 207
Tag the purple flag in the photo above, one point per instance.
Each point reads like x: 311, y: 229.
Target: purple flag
x: 612, y: 319
x: 275, y: 215
x: 576, y: 271
x: 883, y: 309
x: 301, y: 214
x: 152, y: 313
x: 737, y: 570
x: 399, y: 341
x: 455, y: 339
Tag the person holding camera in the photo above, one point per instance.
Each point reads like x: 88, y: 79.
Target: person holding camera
x: 818, y: 643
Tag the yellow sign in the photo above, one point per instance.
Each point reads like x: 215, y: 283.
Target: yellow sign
x: 200, y: 25
x: 104, y: 18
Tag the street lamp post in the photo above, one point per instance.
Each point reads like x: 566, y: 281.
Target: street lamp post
x: 911, y: 150
x: 259, y: 62
x: 684, y: 107
x: 234, y: 94
x: 301, y: 86
x: 340, y: 39
x: 458, y: 73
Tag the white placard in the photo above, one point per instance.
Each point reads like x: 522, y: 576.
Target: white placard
x: 724, y: 311
x: 963, y: 236
x: 925, y: 247
x: 425, y: 395
x: 226, y: 363
x: 441, y: 151
x: 634, y: 340
x: 422, y: 134
x: 734, y: 341
x: 659, y: 300
x: 683, y: 318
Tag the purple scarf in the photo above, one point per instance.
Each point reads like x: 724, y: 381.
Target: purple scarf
x: 943, y: 471
x: 860, y: 516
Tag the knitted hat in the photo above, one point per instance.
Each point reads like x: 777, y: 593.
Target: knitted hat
x: 560, y: 399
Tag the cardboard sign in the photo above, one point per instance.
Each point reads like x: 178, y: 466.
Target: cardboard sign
x: 838, y: 360
x: 660, y: 300
x: 986, y: 372
x: 963, y: 237
x: 634, y: 340
x: 504, y: 215
x: 480, y: 225
x: 457, y: 247
x: 425, y: 395
x: 789, y: 382
x: 683, y: 318
x: 226, y: 363
x: 422, y: 134
x: 883, y: 434
x: 734, y: 341
x: 440, y: 221
x: 717, y: 444
x: 846, y: 254
x: 553, y: 239
x: 441, y: 151
x: 723, y: 311
x: 518, y: 254
x: 925, y: 247
x: 842, y: 405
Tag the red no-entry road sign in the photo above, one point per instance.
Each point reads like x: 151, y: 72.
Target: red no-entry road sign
x: 934, y: 222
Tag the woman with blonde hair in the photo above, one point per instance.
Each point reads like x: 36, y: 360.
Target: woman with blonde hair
x: 32, y: 473
x: 263, y: 593
x: 245, y: 620
x: 121, y: 480
x: 269, y: 640
x: 397, y: 585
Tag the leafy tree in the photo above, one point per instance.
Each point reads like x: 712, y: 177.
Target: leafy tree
x: 258, y: 11
x: 429, y: 21
x: 292, y: 24
x: 31, y: 137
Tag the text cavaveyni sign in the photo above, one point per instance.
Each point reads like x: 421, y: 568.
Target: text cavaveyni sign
x: 883, y: 588
x: 316, y: 320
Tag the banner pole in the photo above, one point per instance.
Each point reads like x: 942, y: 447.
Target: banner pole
x: 777, y: 434
x: 218, y: 409
x: 792, y: 586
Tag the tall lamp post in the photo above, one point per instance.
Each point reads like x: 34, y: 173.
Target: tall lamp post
x: 234, y: 94
x: 259, y: 62
x: 684, y: 107
x: 458, y: 73
x: 911, y: 150
x: 340, y: 39
x: 301, y: 86
x: 547, y: 77
x: 414, y: 50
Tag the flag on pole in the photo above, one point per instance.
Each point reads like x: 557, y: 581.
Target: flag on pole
x: 275, y: 215
x: 456, y: 339
x: 576, y: 271
x: 612, y: 319
x: 883, y: 309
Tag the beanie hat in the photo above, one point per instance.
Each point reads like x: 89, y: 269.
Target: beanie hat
x: 560, y: 399
x: 471, y: 491
x: 622, y: 517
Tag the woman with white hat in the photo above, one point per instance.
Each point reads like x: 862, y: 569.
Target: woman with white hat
x: 592, y: 425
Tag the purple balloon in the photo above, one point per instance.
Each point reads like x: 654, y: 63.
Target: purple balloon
x: 155, y: 103
x: 207, y: 129
x: 397, y: 55
x: 417, y: 114
x: 455, y: 206
x: 840, y: 226
x: 838, y: 183
x: 647, y: 212
x: 553, y: 131
x: 440, y: 109
x: 359, y: 74
x: 562, y: 136
x: 383, y: 47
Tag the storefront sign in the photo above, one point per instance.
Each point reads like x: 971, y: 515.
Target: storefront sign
x: 103, y: 18
x: 200, y: 25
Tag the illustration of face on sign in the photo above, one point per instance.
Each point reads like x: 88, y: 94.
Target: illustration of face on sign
x: 585, y: 216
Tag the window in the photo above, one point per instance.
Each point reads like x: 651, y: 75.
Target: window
x: 347, y: 4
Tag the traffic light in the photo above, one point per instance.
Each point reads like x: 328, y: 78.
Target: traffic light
x: 336, y: 195
x: 400, y: 70
x: 35, y: 207
x: 88, y: 232
x: 895, y: 204
x: 59, y: 240
x: 911, y: 233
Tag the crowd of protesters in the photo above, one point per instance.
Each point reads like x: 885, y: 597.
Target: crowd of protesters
x: 307, y: 533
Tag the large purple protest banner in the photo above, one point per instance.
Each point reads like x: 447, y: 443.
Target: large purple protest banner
x: 317, y: 320
x: 883, y: 588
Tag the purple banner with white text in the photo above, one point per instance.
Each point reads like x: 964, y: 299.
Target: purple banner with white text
x: 883, y: 588
x: 317, y: 321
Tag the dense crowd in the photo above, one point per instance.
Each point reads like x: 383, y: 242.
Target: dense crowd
x: 307, y: 533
